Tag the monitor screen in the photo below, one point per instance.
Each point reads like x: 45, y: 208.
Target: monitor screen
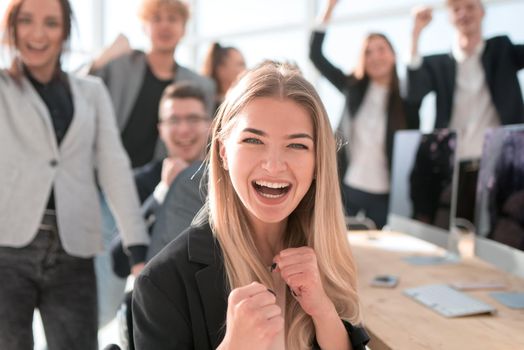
x: 422, y: 181
x: 499, y: 213
x: 465, y: 193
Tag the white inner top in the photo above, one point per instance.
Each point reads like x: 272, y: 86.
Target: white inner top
x: 473, y: 111
x: 368, y: 168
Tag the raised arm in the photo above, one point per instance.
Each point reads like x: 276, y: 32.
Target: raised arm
x: 422, y: 16
x: 326, y: 68
x: 419, y: 81
x: 120, y: 46
x: 328, y: 12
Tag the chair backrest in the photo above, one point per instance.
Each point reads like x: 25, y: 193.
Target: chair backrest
x: 360, y: 222
x: 112, y: 347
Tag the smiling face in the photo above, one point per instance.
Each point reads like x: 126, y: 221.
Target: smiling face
x: 466, y: 16
x: 228, y: 71
x: 379, y: 59
x: 39, y: 36
x: 184, y: 128
x: 165, y: 27
x: 269, y: 154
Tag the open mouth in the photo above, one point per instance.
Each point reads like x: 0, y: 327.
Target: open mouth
x: 165, y: 37
x: 187, y: 143
x: 34, y: 47
x: 271, y: 189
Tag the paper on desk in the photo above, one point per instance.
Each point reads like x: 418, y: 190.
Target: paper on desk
x: 432, y: 260
x: 395, y: 243
x: 510, y: 299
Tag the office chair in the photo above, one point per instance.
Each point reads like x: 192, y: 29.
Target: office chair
x: 360, y: 222
x: 112, y: 347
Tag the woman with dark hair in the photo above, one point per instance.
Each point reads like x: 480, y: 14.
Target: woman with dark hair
x: 223, y: 64
x: 376, y: 111
x: 58, y: 143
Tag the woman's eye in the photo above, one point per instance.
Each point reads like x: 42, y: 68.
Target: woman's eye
x: 52, y: 23
x: 298, y: 146
x: 172, y: 19
x: 24, y: 20
x: 252, y: 140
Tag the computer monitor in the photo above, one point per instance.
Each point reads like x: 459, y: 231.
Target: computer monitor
x: 499, y: 209
x: 464, y: 194
x: 422, y: 184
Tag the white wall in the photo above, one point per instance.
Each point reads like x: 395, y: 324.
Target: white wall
x: 280, y: 29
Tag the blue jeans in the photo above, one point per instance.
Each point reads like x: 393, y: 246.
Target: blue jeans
x: 63, y: 287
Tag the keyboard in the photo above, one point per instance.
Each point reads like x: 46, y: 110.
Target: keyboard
x: 447, y: 301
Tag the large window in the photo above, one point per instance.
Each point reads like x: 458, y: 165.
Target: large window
x: 278, y: 29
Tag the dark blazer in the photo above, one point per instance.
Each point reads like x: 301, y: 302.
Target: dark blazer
x: 168, y: 219
x: 184, y: 199
x: 501, y: 60
x: 355, y: 90
x: 147, y: 177
x: 180, y: 298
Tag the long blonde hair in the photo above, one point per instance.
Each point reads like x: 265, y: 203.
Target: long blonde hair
x: 317, y: 222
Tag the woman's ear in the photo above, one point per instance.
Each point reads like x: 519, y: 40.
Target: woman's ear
x: 223, y: 156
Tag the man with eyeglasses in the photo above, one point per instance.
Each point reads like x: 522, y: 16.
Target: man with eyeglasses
x: 183, y: 127
x: 169, y: 188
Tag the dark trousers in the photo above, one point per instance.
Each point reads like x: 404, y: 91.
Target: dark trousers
x: 42, y: 275
x: 374, y: 206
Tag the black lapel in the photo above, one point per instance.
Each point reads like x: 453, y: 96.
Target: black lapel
x: 489, y: 66
x: 204, y: 249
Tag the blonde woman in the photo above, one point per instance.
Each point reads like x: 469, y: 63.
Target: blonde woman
x: 268, y: 265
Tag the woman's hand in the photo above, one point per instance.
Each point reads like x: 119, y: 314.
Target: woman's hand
x: 299, y: 269
x: 253, y: 318
x: 332, y: 3
x: 422, y: 16
x: 328, y: 12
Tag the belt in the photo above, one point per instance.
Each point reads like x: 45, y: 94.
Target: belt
x: 48, y: 222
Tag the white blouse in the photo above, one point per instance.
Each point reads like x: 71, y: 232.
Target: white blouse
x: 368, y: 167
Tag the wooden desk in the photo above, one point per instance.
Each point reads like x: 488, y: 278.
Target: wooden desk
x: 395, y: 321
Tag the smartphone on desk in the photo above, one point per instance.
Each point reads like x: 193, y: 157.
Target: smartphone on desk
x: 384, y: 281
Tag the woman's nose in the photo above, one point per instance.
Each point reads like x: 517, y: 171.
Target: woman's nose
x: 274, y: 162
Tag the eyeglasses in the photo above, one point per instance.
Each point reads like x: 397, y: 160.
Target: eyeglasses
x: 190, y: 119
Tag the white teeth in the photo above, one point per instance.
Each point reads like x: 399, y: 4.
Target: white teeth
x: 185, y: 144
x: 271, y: 195
x: 37, y: 47
x: 272, y: 184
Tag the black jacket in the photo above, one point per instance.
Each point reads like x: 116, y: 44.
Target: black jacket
x: 501, y: 61
x: 165, y: 220
x: 180, y: 298
x: 355, y: 91
x: 147, y: 177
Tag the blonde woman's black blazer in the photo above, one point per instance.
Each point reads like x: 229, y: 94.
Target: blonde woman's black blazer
x: 180, y: 298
